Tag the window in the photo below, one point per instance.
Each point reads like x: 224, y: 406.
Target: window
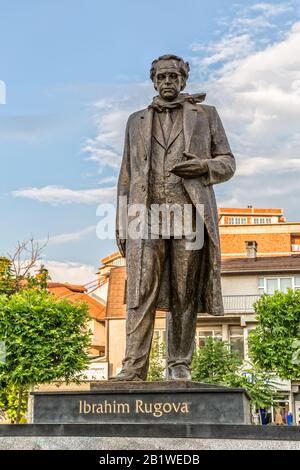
x: 271, y: 284
x: 295, y: 242
x: 236, y: 340
x: 203, y: 333
x: 285, y: 284
x: 237, y: 220
x: 262, y: 220
x: 261, y: 285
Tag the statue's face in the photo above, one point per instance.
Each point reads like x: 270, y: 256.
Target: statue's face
x: 168, y: 80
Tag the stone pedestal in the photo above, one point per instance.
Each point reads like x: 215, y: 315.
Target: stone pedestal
x: 143, y: 403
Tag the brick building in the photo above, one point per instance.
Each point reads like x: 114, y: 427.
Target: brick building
x: 259, y: 254
x: 268, y: 227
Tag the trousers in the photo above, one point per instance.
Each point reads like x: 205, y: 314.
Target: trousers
x: 184, y: 269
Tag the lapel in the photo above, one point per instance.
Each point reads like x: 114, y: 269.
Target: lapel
x: 176, y: 129
x: 145, y: 128
x: 157, y: 130
x: 190, y: 115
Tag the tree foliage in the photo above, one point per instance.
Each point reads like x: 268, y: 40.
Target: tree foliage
x: 10, y: 403
x: 157, y: 362
x: 46, y: 339
x: 7, y: 281
x: 273, y: 344
x: 215, y: 363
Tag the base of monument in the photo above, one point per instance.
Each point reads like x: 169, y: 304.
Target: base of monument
x: 151, y: 432
x: 144, y: 403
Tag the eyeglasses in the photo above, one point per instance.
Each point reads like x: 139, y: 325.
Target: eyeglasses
x: 171, y: 75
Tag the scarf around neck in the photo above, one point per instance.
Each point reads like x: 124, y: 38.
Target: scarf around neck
x: 160, y: 105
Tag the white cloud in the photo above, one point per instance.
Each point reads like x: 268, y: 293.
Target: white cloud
x: 73, y: 273
x: 70, y: 237
x: 108, y: 180
x: 241, y: 34
x: 228, y: 47
x: 252, y: 74
x: 105, y: 148
x: 257, y: 92
x: 270, y: 9
x: 110, y: 118
x: 59, y: 195
x: 260, y: 101
x: 259, y: 165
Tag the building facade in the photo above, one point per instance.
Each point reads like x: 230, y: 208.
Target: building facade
x: 259, y: 256
x: 268, y: 227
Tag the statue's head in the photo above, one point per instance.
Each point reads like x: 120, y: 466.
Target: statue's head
x: 169, y: 74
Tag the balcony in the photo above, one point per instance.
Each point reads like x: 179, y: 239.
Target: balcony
x: 239, y: 303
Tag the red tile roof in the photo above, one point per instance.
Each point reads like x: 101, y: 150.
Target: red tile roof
x: 71, y: 287
x: 74, y: 293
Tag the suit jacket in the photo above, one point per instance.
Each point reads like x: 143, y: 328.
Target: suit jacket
x: 205, y: 137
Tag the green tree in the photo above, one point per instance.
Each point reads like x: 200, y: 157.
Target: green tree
x: 40, y: 280
x: 43, y: 277
x: 215, y: 363
x: 272, y: 344
x: 7, y: 281
x: 9, y: 402
x: 157, y: 361
x: 46, y: 339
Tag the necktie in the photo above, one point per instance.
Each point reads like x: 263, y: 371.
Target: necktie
x: 167, y: 124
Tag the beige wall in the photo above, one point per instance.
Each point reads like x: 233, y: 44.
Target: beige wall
x: 116, y: 344
x: 240, y: 285
x: 61, y: 387
x: 117, y: 332
x: 98, y: 330
x: 160, y: 324
x: 117, y: 341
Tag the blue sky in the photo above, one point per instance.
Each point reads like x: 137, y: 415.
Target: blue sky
x: 74, y: 70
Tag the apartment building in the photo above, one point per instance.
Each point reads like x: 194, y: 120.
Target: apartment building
x: 258, y: 255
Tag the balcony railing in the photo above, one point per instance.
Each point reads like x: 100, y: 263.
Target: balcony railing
x: 239, y: 303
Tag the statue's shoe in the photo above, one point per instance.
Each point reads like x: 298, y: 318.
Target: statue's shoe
x: 126, y: 376
x: 180, y: 373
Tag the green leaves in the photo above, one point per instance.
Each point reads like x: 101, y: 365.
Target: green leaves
x: 7, y: 282
x: 271, y: 344
x: 45, y: 339
x: 215, y: 363
x: 9, y: 402
x: 157, y: 362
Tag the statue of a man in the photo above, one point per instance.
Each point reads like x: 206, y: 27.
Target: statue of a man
x: 175, y: 150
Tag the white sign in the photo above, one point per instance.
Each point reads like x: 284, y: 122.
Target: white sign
x: 96, y: 371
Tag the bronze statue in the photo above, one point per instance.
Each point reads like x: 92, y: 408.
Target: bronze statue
x: 175, y: 150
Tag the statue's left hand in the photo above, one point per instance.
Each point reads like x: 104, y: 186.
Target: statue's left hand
x: 191, y: 168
